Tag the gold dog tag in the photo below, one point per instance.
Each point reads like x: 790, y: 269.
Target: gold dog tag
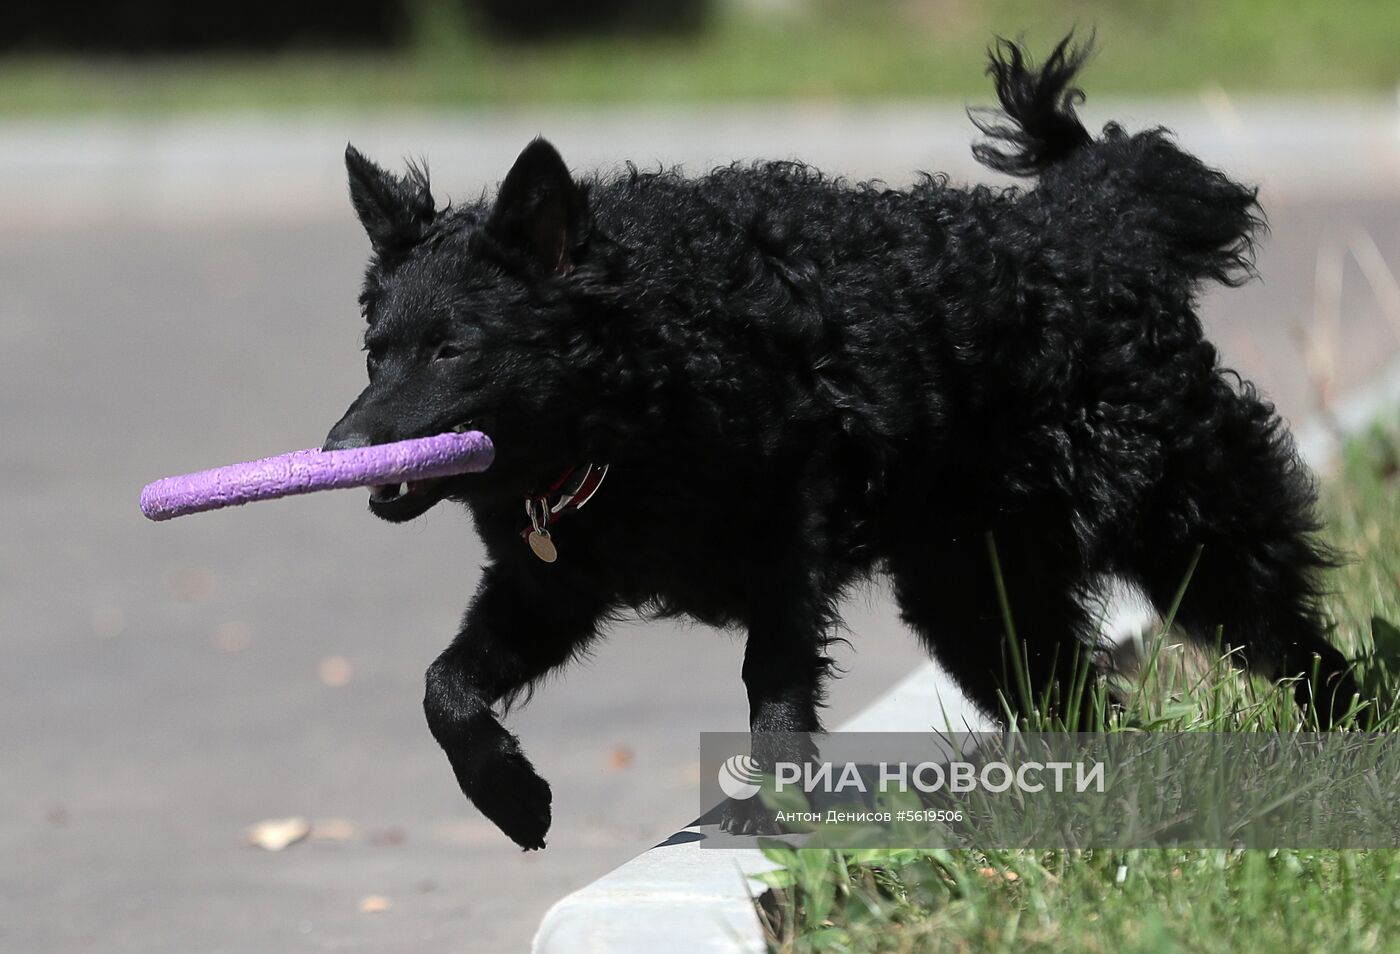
x: 542, y: 546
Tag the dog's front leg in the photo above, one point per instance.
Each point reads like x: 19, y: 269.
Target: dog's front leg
x: 516, y: 630
x: 784, y: 668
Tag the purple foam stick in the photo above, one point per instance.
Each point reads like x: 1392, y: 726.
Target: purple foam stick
x: 307, y: 471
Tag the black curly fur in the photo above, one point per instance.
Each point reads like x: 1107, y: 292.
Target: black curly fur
x: 800, y: 381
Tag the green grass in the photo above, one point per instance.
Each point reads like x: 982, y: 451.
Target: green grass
x: 1148, y: 900
x: 1111, y: 902
x: 842, y: 50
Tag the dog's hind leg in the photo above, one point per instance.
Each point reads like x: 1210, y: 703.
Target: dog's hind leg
x: 952, y: 599
x: 514, y: 633
x: 1235, y: 491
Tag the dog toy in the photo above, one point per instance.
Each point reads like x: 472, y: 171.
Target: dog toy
x: 307, y: 471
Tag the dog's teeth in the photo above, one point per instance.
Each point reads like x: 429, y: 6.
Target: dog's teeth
x: 460, y: 428
x: 403, y: 490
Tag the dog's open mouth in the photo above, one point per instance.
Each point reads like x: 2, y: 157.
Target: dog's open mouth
x: 404, y: 501
x: 388, y: 492
x: 399, y: 502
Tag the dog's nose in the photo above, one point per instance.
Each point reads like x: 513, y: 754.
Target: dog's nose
x: 338, y: 439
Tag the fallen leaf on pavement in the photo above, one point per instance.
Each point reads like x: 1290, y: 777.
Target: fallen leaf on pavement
x: 620, y: 757
x: 278, y: 833
x: 375, y: 904
x: 336, y: 671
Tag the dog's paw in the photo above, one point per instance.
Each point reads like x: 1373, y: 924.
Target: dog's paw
x: 511, y: 793
x: 748, y: 817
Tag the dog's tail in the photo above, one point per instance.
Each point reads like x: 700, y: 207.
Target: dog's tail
x: 1141, y: 185
x: 1036, y: 126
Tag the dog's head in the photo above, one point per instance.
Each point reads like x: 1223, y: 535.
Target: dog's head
x: 469, y: 324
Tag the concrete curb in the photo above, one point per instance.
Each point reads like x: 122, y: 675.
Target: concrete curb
x: 675, y: 896
x: 682, y: 898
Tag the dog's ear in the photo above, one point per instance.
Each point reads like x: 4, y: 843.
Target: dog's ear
x: 393, y: 210
x: 541, y: 211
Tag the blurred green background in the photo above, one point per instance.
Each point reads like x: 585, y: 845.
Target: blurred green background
x: 168, y: 55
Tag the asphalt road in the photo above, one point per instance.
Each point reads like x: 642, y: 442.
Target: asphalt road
x: 163, y: 687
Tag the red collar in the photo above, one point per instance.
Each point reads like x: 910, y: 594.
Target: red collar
x: 570, y: 491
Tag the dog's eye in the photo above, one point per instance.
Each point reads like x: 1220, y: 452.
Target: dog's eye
x: 447, y: 351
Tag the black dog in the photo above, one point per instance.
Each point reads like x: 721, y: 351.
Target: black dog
x: 791, y: 382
